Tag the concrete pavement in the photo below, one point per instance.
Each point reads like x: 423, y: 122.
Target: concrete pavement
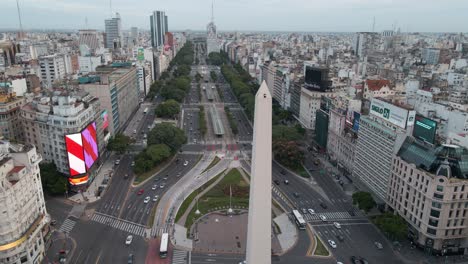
x: 288, y: 236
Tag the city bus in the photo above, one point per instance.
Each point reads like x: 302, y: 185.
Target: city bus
x: 300, y: 222
x: 145, y: 111
x: 164, y: 245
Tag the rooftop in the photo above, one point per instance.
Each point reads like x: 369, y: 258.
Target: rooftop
x: 376, y: 85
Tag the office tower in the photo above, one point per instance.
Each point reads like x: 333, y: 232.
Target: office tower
x: 259, y: 225
x: 134, y: 35
x: 113, y: 32
x: 158, y: 28
x: 166, y: 25
x: 90, y: 38
x: 428, y: 188
x: 24, y: 214
x: 380, y: 136
x: 364, y: 42
x: 116, y: 87
x: 48, y: 123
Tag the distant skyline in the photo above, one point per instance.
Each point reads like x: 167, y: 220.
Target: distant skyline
x: 246, y: 15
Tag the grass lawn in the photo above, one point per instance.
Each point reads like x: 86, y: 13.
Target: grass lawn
x: 190, y: 198
x: 218, y: 196
x: 301, y: 171
x: 212, y: 164
x: 321, y: 250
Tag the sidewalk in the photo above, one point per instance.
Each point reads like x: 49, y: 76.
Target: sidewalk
x: 288, y: 236
x: 90, y: 195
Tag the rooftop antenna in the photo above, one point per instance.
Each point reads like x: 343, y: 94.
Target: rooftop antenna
x: 212, y: 12
x: 19, y: 18
x: 373, y: 25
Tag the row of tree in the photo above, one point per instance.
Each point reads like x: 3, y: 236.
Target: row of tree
x: 232, y: 122
x: 164, y: 140
x: 244, y: 92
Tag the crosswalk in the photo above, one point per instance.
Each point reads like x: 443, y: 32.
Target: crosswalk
x: 331, y: 216
x: 124, y: 225
x: 157, y: 232
x: 67, y: 225
x: 179, y: 257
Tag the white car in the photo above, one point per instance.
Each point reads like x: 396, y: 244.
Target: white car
x: 161, y: 186
x: 117, y: 162
x: 129, y: 239
x: 147, y: 199
x: 154, y: 187
x: 186, y: 163
x: 332, y: 243
x: 155, y: 198
x: 311, y: 211
x: 324, y: 218
x: 337, y: 225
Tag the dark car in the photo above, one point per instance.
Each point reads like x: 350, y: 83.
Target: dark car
x: 340, y: 238
x: 351, y: 213
x: 296, y: 194
x: 324, y: 206
x: 277, y: 182
x: 130, y: 259
x: 283, y: 172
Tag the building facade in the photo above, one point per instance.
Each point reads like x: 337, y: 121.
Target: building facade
x: 113, y: 28
x: 48, y: 119
x: 10, y: 122
x: 429, y: 189
x: 90, y: 38
x: 158, y: 28
x: 53, y: 68
x: 24, y: 216
x: 117, y: 90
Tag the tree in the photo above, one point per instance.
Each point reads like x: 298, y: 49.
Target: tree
x: 168, y: 109
x: 394, y: 226
x: 169, y: 92
x: 158, y: 153
x: 288, y: 153
x: 213, y: 76
x: 281, y: 132
x: 168, y: 134
x: 53, y: 182
x: 364, y: 200
x: 215, y: 58
x: 118, y: 143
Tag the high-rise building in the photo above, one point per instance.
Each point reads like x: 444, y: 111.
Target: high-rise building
x: 166, y: 24
x: 429, y: 189
x: 212, y: 44
x: 90, y: 38
x: 113, y: 28
x: 430, y: 56
x: 47, y: 120
x: 364, y: 42
x: 24, y: 215
x: 116, y: 86
x: 380, y: 136
x: 53, y: 67
x: 158, y: 28
x: 134, y: 35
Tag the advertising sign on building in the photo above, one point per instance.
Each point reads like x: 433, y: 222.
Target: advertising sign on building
x: 411, y: 118
x: 141, y: 54
x: 389, y: 112
x: 425, y: 129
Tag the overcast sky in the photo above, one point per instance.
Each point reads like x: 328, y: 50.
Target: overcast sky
x: 244, y: 15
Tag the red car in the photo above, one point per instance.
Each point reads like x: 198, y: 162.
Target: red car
x: 140, y: 192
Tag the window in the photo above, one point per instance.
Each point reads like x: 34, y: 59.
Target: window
x: 431, y: 231
x: 436, y: 205
x: 440, y: 188
x: 433, y: 222
x: 438, y: 196
x: 435, y: 213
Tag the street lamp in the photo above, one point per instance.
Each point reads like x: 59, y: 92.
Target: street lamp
x: 230, y: 200
x: 197, y: 212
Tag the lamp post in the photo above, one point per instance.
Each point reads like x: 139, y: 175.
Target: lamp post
x: 230, y: 200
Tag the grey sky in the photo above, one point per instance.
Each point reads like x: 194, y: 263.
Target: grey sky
x: 272, y: 15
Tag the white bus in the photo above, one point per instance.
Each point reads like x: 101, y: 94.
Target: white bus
x: 164, y: 244
x: 145, y: 111
x: 300, y: 222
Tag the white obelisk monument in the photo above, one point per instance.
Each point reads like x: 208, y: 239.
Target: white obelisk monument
x: 259, y: 226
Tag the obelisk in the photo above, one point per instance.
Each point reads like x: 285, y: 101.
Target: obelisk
x: 259, y: 225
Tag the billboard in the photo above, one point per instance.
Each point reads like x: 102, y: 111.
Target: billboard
x: 140, y: 54
x: 425, y: 129
x: 356, y: 120
x: 316, y: 78
x: 74, y: 145
x: 90, y: 147
x: 105, y: 119
x: 411, y: 118
x: 78, y: 181
x: 389, y: 112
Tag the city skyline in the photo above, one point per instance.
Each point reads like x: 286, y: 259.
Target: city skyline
x: 307, y: 16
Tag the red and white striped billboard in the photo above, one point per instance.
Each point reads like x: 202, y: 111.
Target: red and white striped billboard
x: 76, y: 158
